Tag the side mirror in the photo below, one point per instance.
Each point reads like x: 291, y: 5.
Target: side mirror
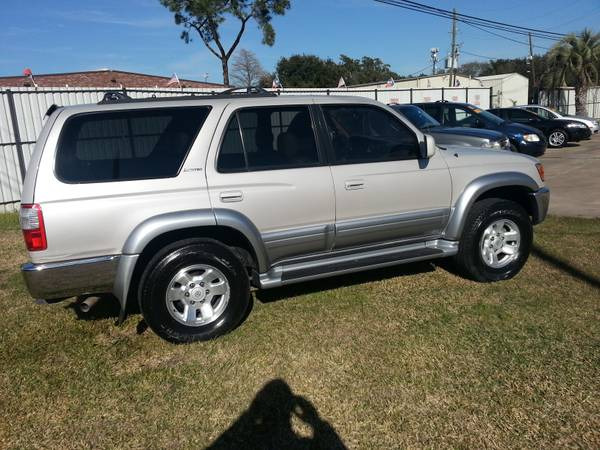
x: 428, y: 146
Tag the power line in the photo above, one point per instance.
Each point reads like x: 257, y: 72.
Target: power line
x: 505, y: 37
x: 473, y: 20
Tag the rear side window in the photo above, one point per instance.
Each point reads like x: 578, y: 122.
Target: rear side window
x: 268, y: 139
x: 431, y: 109
x: 127, y: 145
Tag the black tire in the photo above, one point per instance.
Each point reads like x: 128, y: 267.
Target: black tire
x: 168, y: 262
x: 565, y: 138
x: 469, y: 260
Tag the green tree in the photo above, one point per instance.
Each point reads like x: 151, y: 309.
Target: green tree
x: 474, y: 69
x: 576, y: 58
x: 307, y: 71
x: 312, y: 71
x: 206, y: 16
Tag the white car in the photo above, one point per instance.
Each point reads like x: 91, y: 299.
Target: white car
x: 184, y: 204
x: 547, y: 113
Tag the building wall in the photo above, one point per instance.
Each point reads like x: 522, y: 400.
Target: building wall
x: 509, y: 90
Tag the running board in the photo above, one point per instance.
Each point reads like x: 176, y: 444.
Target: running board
x: 340, y: 264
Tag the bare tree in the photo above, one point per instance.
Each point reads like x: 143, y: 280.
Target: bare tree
x: 246, y: 69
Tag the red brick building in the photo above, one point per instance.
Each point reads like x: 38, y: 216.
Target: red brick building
x: 101, y: 78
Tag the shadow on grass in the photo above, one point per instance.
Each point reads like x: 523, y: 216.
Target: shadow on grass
x: 335, y: 282
x: 267, y: 423
x: 565, y: 266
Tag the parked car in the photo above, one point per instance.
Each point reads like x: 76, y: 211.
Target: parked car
x: 523, y: 138
x: 183, y: 204
x: 472, y: 137
x: 547, y: 113
x: 558, y: 131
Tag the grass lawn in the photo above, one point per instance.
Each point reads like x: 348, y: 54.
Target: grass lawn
x: 412, y: 356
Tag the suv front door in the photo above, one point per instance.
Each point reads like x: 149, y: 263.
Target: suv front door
x: 265, y: 164
x: 384, y: 190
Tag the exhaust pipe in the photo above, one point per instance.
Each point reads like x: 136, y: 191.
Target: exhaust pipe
x: 86, y: 305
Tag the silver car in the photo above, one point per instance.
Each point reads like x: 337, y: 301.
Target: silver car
x: 470, y: 137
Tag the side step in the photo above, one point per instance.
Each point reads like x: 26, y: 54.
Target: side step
x: 354, y: 262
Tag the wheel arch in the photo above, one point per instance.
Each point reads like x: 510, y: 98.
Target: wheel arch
x: 226, y: 226
x: 513, y: 186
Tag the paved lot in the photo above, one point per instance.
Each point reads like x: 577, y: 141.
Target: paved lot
x: 573, y: 175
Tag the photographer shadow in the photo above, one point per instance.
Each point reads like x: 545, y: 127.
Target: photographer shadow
x: 267, y: 423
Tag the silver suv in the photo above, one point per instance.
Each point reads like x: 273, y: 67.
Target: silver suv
x: 185, y: 204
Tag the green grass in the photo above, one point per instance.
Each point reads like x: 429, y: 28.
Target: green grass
x: 412, y: 356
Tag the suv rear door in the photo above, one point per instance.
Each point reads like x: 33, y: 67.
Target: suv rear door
x: 384, y: 190
x: 265, y: 163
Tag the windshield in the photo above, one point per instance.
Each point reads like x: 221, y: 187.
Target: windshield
x: 417, y: 116
x: 486, y: 116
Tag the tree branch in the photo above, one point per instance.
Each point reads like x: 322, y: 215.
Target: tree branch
x: 238, y: 37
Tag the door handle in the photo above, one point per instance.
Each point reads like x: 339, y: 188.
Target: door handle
x: 231, y: 196
x: 354, y: 184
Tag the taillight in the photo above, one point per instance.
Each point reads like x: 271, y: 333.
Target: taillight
x: 32, y: 224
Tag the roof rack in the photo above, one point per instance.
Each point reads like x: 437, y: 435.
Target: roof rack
x: 246, y: 91
x: 237, y: 92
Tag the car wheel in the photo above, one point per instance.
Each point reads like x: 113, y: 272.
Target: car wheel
x: 557, y: 138
x: 495, y: 242
x: 194, y: 290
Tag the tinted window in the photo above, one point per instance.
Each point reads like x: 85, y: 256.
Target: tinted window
x: 417, y: 116
x: 267, y: 139
x: 431, y: 109
x: 127, y: 145
x: 368, y: 134
x: 520, y: 114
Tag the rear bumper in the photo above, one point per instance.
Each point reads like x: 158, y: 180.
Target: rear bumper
x: 540, y: 202
x: 68, y: 278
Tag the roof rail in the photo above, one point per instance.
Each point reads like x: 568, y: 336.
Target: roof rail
x: 249, y: 90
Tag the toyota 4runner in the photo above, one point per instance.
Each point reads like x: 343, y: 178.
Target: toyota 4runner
x: 184, y: 204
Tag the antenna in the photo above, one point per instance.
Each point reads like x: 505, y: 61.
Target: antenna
x: 435, y: 57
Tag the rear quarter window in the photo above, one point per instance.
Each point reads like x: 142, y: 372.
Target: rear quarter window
x: 127, y: 145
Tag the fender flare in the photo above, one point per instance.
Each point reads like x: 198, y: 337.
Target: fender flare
x: 154, y: 226
x: 475, y: 189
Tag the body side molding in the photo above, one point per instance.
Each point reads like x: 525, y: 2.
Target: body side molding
x: 477, y: 187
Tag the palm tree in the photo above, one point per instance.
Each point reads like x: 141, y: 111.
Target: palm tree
x: 576, y: 59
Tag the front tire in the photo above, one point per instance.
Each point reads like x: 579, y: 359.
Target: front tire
x: 194, y: 290
x: 496, y: 241
x: 558, y: 138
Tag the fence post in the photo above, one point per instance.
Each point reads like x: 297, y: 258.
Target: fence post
x: 466, y: 95
x: 375, y: 93
x: 15, y: 125
x: 411, y: 95
x: 491, y: 98
x: 443, y: 94
x: 327, y: 91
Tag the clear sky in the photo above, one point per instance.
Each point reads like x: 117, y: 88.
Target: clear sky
x: 140, y: 35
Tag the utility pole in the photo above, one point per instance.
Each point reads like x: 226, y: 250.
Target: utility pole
x: 532, y: 69
x: 453, y: 48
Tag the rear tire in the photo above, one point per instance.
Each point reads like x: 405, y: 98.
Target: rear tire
x: 194, y: 290
x: 495, y: 242
x: 558, y: 138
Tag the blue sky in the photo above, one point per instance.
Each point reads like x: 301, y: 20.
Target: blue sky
x: 140, y: 35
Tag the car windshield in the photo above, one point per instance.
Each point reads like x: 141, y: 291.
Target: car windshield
x: 486, y: 116
x: 417, y: 116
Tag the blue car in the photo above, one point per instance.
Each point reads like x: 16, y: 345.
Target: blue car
x: 523, y: 138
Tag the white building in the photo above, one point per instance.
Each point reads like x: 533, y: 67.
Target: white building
x: 509, y: 89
